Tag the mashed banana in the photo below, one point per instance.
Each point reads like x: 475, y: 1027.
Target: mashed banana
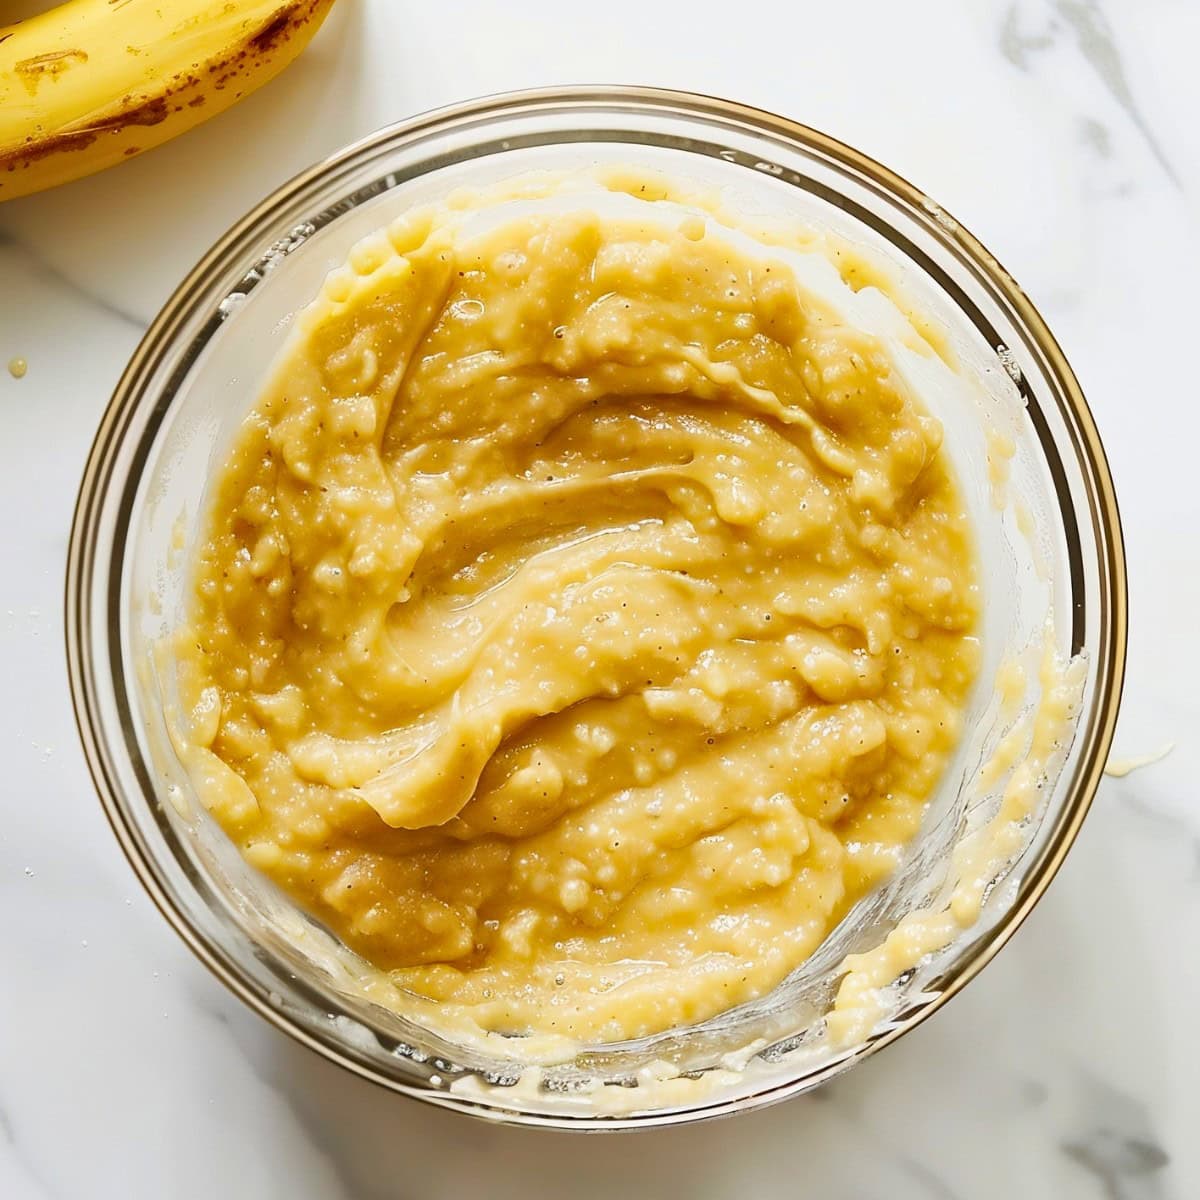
x: 584, y: 615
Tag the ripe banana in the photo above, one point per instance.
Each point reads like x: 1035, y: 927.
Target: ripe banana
x: 93, y: 82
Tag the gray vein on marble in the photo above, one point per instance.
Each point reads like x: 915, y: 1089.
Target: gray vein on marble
x: 17, y: 1156
x: 1096, y: 136
x: 1095, y: 39
x: 1124, y: 1166
x: 1018, y: 47
x: 1118, y: 1147
x: 932, y: 1185
x: 9, y: 244
x: 1096, y: 43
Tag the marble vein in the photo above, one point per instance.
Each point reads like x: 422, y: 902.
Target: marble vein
x: 1017, y: 46
x: 1098, y: 46
x: 932, y: 1185
x: 1117, y: 1147
x: 1124, y: 1166
x: 18, y: 1159
x: 1094, y: 37
x: 1097, y: 136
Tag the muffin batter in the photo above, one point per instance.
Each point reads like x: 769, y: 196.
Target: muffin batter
x: 583, y: 617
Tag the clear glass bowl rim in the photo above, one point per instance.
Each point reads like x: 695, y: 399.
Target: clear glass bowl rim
x: 130, y: 393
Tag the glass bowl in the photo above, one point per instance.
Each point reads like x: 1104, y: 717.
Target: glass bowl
x: 1051, y: 555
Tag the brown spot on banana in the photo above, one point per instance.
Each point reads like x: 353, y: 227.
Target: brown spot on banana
x: 150, y: 113
x: 46, y: 147
x: 32, y: 71
x: 266, y: 37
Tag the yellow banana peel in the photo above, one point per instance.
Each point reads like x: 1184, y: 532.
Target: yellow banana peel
x: 94, y: 82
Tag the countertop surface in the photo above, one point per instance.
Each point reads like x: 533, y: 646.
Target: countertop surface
x: 1061, y: 132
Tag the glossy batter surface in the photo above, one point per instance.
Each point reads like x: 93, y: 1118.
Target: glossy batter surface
x: 584, y: 617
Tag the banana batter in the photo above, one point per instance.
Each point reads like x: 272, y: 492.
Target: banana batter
x: 583, y: 617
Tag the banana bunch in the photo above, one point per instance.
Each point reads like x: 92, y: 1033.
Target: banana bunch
x: 93, y: 82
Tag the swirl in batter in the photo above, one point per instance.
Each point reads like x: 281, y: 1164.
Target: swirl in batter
x: 584, y: 616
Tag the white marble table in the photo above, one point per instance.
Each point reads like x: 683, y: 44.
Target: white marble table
x: 1062, y: 132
